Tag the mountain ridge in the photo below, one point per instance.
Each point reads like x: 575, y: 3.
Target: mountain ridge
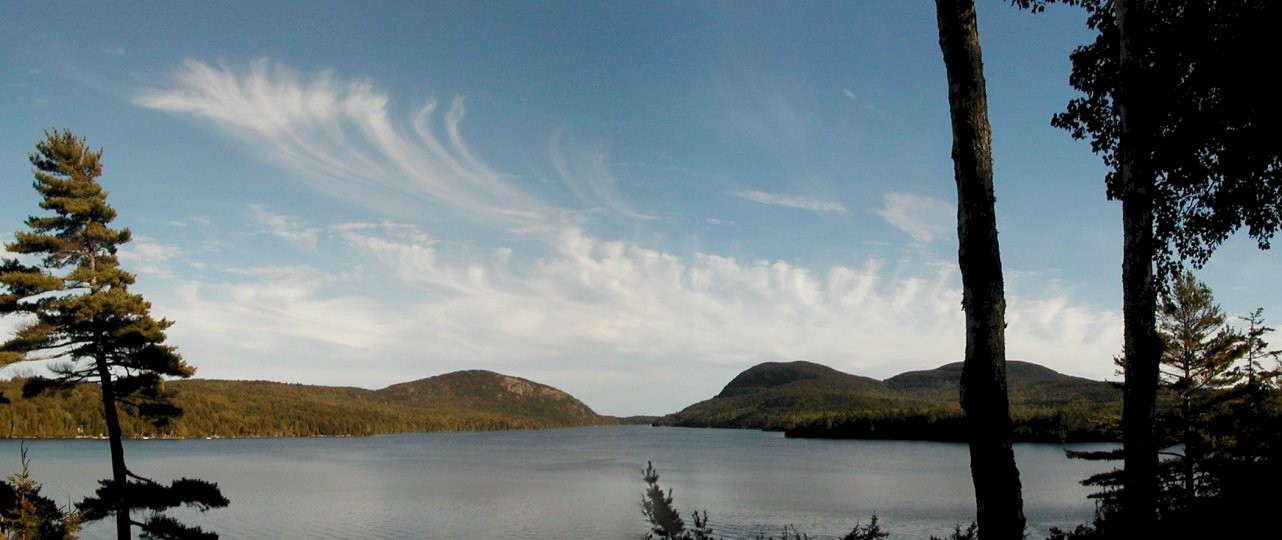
x: 808, y: 399
x: 471, y: 400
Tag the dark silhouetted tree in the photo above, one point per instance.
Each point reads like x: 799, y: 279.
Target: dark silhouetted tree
x: 1218, y: 419
x: 665, y: 521
x: 25, y: 514
x: 998, y: 498
x: 1198, y: 369
x: 80, y: 320
x: 1193, y: 140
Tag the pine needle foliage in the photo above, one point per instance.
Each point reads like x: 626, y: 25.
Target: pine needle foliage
x: 79, y: 321
x: 27, y: 515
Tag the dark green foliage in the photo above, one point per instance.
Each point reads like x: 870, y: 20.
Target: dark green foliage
x: 161, y: 527
x: 214, y: 408
x: 1080, y: 532
x: 78, y: 319
x: 27, y: 515
x: 75, y: 302
x: 1214, y: 141
x: 493, y: 394
x: 809, y: 400
x: 664, y: 519
x: 637, y: 420
x: 773, y: 375
x: 871, y: 531
x: 147, y: 494
x: 1173, y: 103
x: 1221, y: 417
x: 1197, y: 376
x: 971, y: 532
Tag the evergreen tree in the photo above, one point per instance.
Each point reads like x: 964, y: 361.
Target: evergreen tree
x: 1192, y: 141
x: 80, y: 320
x: 27, y: 515
x: 1198, y: 369
x: 1220, y: 416
x: 1257, y: 374
x: 1250, y: 432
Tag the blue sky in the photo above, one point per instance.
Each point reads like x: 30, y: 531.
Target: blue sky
x: 630, y: 201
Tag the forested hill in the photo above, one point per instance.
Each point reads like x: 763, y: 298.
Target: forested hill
x: 464, y: 400
x: 808, y: 399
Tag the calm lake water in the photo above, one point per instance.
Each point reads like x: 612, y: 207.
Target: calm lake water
x: 565, y: 483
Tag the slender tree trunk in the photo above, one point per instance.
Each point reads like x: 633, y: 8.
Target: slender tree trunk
x: 119, y: 474
x: 1189, y: 460
x: 1143, y: 346
x: 998, y: 499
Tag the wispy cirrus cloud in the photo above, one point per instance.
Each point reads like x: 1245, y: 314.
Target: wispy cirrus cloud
x: 289, y: 228
x: 341, y: 137
x: 925, y: 219
x: 791, y: 201
x: 597, y: 317
x: 867, y: 105
x: 588, y: 175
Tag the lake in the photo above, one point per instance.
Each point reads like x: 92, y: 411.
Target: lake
x: 565, y: 483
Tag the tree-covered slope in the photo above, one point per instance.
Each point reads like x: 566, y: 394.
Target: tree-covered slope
x: 814, y: 400
x: 470, y: 400
x: 490, y: 393
x: 1031, y: 386
x: 777, y: 395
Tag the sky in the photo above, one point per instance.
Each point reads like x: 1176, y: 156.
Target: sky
x: 629, y: 201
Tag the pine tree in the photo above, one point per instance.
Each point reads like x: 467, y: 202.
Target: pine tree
x: 1198, y: 369
x: 1191, y: 140
x: 83, y: 324
x: 27, y: 515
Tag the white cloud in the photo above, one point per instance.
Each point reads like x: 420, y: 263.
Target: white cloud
x: 596, y: 317
x: 589, y: 307
x: 339, y: 136
x: 867, y: 105
x: 114, y: 51
x: 588, y: 175
x: 149, y: 257
x: 289, y: 228
x: 926, y: 219
x: 791, y: 201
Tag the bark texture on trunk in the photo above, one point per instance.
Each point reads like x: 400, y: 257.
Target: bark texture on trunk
x: 119, y: 474
x: 998, y: 498
x: 1143, y: 346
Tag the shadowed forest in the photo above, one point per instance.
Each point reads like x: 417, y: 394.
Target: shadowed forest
x: 1191, y: 142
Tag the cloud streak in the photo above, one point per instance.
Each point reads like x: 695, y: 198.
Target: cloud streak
x: 588, y: 175
x: 374, y: 303
x: 340, y: 137
x: 791, y: 201
x: 925, y: 219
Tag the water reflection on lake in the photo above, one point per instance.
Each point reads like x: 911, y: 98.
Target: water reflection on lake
x: 566, y: 483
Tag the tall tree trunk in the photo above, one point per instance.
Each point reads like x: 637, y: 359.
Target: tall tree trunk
x: 119, y: 473
x: 1143, y: 346
x: 998, y: 499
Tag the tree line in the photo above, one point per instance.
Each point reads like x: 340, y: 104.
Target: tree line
x: 1192, y: 145
x: 216, y: 408
x: 1218, y: 423
x: 79, y: 319
x: 1191, y: 142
